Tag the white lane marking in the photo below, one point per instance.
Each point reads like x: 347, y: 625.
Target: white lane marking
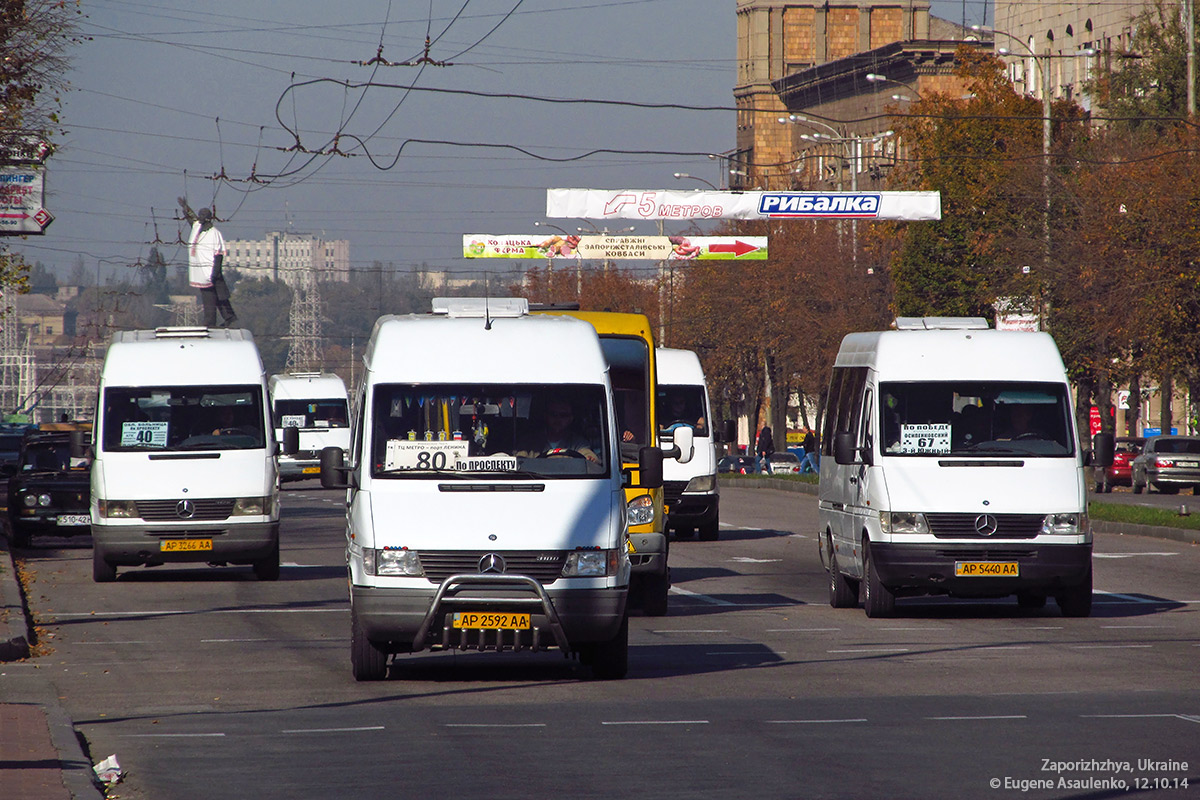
x: 335, y: 730
x: 745, y: 652
x: 681, y: 630
x: 799, y: 630
x: 1184, y: 717
x: 1109, y: 646
x: 872, y: 650
x: 929, y: 629
x: 657, y: 722
x: 1005, y: 647
x: 495, y: 725
x: 172, y: 735
x: 226, y: 641
x: 1151, y: 601
x: 748, y: 560
x: 1129, y: 555
x: 982, y: 717
x: 701, y: 597
x: 812, y: 721
x: 1127, y: 627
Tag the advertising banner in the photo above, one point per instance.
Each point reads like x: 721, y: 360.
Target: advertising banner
x: 21, y: 195
x: 603, y: 204
x: 607, y: 247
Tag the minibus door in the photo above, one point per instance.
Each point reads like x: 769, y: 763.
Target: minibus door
x: 860, y: 476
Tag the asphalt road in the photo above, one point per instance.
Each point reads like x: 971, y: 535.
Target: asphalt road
x: 208, y: 684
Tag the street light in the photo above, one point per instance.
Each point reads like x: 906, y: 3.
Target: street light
x: 548, y: 225
x: 875, y: 77
x: 606, y: 231
x: 682, y: 175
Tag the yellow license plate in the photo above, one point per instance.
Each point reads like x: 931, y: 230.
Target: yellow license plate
x: 184, y: 545
x: 986, y: 569
x: 311, y: 471
x: 491, y: 621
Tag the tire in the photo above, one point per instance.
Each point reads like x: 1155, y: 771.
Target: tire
x: 685, y: 533
x: 878, y: 601
x: 103, y: 570
x: 267, y: 568
x: 654, y: 591
x: 710, y: 531
x: 367, y: 661
x: 842, y: 592
x: 1031, y: 600
x: 1105, y: 485
x: 1077, y: 600
x: 610, y: 660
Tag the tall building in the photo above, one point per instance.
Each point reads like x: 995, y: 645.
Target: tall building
x: 286, y: 256
x: 810, y: 61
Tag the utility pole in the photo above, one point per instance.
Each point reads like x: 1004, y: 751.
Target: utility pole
x: 1189, y: 25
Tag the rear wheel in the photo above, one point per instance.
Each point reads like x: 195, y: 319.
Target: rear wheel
x: 367, y: 661
x: 610, y: 660
x: 1135, y: 486
x: 710, y: 531
x: 878, y: 600
x: 842, y: 593
x: 1077, y: 600
x: 654, y: 594
x: 103, y: 571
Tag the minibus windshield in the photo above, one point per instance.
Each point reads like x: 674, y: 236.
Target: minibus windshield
x: 681, y: 405
x: 975, y: 417
x: 324, y: 413
x: 182, y: 418
x: 494, y: 430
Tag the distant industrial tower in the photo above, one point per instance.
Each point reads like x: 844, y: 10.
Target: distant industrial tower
x: 305, y: 352
x: 17, y: 368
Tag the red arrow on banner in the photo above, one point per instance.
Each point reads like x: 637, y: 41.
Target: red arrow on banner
x: 738, y: 248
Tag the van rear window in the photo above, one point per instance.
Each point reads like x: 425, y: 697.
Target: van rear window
x: 975, y: 417
x: 182, y: 418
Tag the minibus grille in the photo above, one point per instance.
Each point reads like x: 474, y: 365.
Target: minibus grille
x: 543, y: 567
x: 673, y: 490
x: 205, y: 509
x: 995, y: 526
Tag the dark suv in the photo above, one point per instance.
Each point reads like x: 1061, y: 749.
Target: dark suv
x: 50, y: 492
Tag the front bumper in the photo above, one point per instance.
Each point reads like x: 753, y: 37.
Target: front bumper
x: 410, y: 620
x: 648, y: 553
x: 930, y: 567
x: 693, y: 510
x: 232, y: 543
x: 47, y: 522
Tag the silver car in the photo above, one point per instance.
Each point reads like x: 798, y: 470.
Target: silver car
x: 1168, y: 463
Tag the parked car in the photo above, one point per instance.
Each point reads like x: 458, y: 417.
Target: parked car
x: 1119, y: 473
x: 783, y: 464
x: 50, y: 492
x: 742, y: 465
x: 1168, y: 463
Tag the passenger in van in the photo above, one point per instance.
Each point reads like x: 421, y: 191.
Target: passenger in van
x: 558, y: 435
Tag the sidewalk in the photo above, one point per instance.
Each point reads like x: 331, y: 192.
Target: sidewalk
x: 41, y: 758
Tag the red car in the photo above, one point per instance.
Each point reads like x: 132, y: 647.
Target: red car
x: 1119, y: 474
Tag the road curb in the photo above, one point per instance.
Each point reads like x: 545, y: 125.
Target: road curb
x: 14, y: 628
x: 1182, y: 535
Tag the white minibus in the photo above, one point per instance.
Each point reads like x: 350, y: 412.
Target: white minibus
x: 184, y: 467
x: 315, y: 404
x: 952, y: 466
x: 485, y: 490
x: 690, y: 494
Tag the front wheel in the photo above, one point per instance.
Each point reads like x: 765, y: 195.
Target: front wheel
x: 610, y: 660
x: 1137, y: 487
x: 654, y: 592
x: 367, y: 661
x: 1077, y: 600
x: 267, y: 568
x: 878, y: 600
x: 103, y: 571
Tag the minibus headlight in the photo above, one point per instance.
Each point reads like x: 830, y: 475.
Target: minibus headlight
x: 126, y: 509
x: 701, y: 484
x: 250, y: 506
x: 641, y: 510
x: 590, y: 564
x: 903, y: 522
x: 401, y: 563
x: 1074, y: 522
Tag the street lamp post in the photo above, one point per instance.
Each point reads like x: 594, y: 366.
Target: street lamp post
x: 681, y: 175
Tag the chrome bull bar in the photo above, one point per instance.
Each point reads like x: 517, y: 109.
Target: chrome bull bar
x: 446, y: 600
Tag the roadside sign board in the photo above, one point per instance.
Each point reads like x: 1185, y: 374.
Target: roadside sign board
x: 28, y: 148
x: 22, y: 191
x: 608, y: 247
x: 605, y: 204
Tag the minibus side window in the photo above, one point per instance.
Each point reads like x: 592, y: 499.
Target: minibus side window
x: 831, y: 410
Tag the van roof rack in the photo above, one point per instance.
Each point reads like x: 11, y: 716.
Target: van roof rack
x: 193, y: 332
x: 303, y: 374
x: 481, y: 307
x: 941, y: 324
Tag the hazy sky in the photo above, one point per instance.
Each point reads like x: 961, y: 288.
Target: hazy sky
x: 165, y: 94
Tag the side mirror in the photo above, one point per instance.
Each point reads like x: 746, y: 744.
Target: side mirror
x: 650, y: 467
x: 683, y: 447
x: 729, y: 431
x: 1104, y: 447
x: 291, y: 441
x: 843, y: 448
x: 334, y: 472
